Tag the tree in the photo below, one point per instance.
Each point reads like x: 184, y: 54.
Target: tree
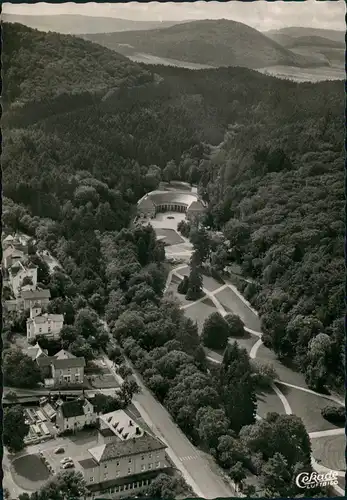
x: 237, y: 387
x: 183, y: 286
x: 215, y: 332
x: 195, y: 281
x: 129, y: 324
x: 201, y: 242
x: 124, y: 371
x: 15, y: 429
x: 168, y: 488
x: 212, y: 423
x: 170, y: 171
x: 67, y: 485
x: 334, y: 414
x: 20, y: 370
x: 264, y: 374
x: 237, y: 474
x: 236, y: 325
x: 276, y: 477
x: 128, y: 389
x: 115, y: 355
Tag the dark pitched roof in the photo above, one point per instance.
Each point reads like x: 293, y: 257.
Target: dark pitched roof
x: 36, y: 294
x: 88, y: 463
x: 72, y: 408
x: 68, y: 363
x: 134, y: 446
x: 44, y: 361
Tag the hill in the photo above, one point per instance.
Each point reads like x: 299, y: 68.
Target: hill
x: 77, y: 24
x: 38, y: 66
x: 283, y: 35
x: 273, y: 182
x: 212, y: 42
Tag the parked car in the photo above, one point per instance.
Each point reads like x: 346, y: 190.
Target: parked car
x: 67, y: 465
x: 170, y: 217
x: 66, y: 460
x: 59, y: 450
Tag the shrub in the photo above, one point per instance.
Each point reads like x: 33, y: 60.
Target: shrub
x: 334, y: 414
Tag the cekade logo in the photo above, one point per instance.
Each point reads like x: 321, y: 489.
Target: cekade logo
x: 313, y: 479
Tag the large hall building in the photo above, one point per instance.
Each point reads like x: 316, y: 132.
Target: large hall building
x: 170, y: 201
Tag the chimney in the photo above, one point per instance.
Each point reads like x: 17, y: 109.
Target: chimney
x: 130, y: 423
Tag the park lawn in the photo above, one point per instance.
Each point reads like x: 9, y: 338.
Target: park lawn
x: 247, y: 341
x: 29, y: 472
x: 285, y: 373
x: 233, y: 304
x: 308, y: 407
x: 330, y: 451
x: 170, y: 236
x: 269, y: 402
x: 200, y: 311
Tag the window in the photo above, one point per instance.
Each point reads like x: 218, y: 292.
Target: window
x: 129, y: 460
x: 157, y: 465
x: 150, y: 455
x: 150, y: 466
x: 158, y: 456
x: 117, y: 463
x: 105, y: 475
x: 105, y: 466
x: 143, y: 457
x: 40, y: 330
x: 130, y: 486
x: 125, y: 487
x: 129, y: 470
x: 92, y: 480
x: 116, y: 489
x: 117, y: 473
x: 143, y: 467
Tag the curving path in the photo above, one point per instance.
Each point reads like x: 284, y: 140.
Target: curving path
x: 253, y: 354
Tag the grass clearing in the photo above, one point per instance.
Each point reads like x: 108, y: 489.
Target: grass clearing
x: 330, y: 451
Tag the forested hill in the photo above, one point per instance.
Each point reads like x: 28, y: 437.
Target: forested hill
x: 268, y: 155
x: 39, y: 66
x: 213, y: 42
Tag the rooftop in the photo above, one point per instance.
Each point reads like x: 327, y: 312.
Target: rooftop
x: 73, y: 408
x: 110, y: 451
x: 162, y: 197
x: 121, y: 425
x: 36, y: 294
x: 47, y: 317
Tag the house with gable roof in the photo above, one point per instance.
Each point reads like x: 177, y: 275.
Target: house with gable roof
x: 74, y: 415
x: 62, y: 370
x: 46, y: 324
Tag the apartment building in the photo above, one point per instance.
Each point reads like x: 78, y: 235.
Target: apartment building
x: 62, y: 370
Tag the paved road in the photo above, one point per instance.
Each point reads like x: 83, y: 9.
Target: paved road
x: 194, y: 466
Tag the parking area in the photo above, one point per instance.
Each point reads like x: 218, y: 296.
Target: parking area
x: 74, y: 447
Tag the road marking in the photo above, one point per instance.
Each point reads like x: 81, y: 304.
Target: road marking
x: 190, y: 457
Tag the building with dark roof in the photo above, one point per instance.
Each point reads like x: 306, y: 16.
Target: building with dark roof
x: 74, y: 415
x: 170, y: 201
x: 32, y: 297
x: 62, y: 370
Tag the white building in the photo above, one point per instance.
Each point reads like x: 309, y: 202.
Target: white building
x: 48, y: 325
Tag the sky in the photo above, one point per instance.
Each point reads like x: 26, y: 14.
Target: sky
x: 260, y: 14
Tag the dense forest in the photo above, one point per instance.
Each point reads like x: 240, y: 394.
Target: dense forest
x: 267, y: 156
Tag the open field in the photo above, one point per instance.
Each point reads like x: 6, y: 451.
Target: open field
x: 308, y: 407
x: 100, y: 376
x: 305, y: 74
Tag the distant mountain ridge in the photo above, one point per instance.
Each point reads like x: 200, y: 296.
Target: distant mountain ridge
x: 78, y: 24
x: 285, y: 35
x: 212, y: 42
